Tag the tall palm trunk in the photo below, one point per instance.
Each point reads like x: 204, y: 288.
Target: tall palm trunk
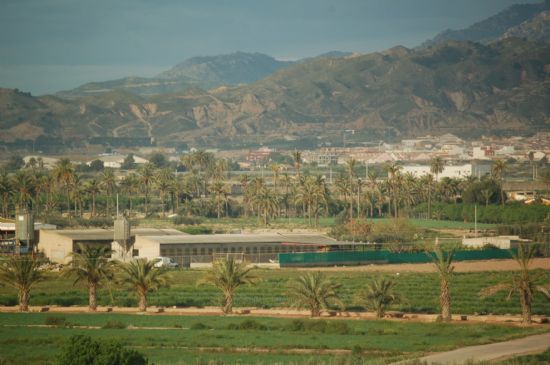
x: 92, y: 297
x: 93, y: 205
x: 228, y: 307
x: 525, y: 300
x: 24, y: 297
x: 445, y: 300
x: 142, y: 301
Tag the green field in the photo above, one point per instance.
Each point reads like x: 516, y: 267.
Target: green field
x: 167, y: 339
x: 419, y: 290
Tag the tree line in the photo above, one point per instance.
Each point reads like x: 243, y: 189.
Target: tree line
x: 208, y: 188
x: 313, y: 291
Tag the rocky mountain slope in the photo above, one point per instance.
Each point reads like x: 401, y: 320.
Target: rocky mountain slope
x: 494, y: 27
x: 536, y: 29
x: 460, y: 87
x: 196, y: 73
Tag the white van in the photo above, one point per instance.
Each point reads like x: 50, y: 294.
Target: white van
x: 166, y: 262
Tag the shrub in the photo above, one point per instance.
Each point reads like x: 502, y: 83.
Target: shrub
x: 114, y: 325
x: 83, y: 350
x: 196, y: 230
x: 187, y: 220
x: 56, y: 321
x: 199, y: 326
x: 248, y: 324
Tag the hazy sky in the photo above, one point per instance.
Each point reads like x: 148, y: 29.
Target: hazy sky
x: 50, y: 45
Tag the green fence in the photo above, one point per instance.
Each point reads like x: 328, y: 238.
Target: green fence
x: 380, y: 257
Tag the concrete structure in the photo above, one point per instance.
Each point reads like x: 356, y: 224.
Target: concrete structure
x: 58, y: 244
x: 503, y: 242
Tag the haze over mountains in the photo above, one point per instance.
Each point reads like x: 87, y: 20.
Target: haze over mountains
x: 499, y: 85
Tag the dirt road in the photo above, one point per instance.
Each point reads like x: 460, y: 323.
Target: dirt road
x: 493, y: 351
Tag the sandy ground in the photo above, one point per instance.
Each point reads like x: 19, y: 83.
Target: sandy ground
x: 461, y: 266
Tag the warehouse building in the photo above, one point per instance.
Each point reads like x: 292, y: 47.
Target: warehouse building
x: 58, y: 244
x: 257, y: 248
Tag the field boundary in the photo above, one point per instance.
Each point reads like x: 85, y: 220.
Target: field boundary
x: 538, y: 320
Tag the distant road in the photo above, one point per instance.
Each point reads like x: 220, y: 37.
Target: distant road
x: 493, y: 351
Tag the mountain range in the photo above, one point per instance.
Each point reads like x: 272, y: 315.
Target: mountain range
x: 204, y: 72
x: 498, y: 26
x: 496, y: 84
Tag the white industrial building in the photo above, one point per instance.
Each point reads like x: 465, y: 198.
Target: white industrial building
x: 450, y: 171
x: 502, y: 242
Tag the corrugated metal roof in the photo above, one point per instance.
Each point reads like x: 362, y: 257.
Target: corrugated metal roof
x: 108, y: 234
x: 244, y: 238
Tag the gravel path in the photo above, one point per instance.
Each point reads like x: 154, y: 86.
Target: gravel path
x: 493, y: 351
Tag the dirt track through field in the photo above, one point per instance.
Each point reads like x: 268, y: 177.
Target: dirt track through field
x: 460, y: 266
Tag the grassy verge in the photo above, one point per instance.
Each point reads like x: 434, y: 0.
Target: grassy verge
x: 181, y: 340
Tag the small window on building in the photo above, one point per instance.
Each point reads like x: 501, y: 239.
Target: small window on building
x: 135, y: 253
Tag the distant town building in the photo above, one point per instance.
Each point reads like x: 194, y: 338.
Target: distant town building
x: 483, y: 153
x: 259, y: 155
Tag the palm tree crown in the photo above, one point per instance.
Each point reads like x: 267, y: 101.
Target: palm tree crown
x: 227, y: 275
x: 378, y: 295
x: 314, y: 292
x: 90, y: 265
x: 523, y: 283
x: 21, y: 273
x: 143, y: 276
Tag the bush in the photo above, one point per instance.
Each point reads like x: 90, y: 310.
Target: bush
x: 196, y: 230
x: 192, y: 221
x: 114, y: 325
x: 83, y: 350
x: 248, y: 324
x: 199, y: 326
x: 56, y: 321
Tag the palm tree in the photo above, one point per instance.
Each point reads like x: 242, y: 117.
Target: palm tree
x: 267, y: 202
x: 146, y: 174
x: 21, y: 273
x: 350, y: 167
x: 227, y: 275
x: 90, y: 265
x: 429, y: 182
x: 522, y: 283
x: 144, y: 277
x: 219, y: 189
x: 25, y: 189
x: 378, y: 295
x: 314, y: 292
x: 437, y: 165
x: 93, y: 187
x: 164, y: 180
x: 108, y: 182
x: 64, y: 173
x: 443, y: 264
x: 498, y: 170
x: 486, y: 194
x: 393, y: 181
x: 297, y: 157
x: 276, y: 169
x: 7, y: 189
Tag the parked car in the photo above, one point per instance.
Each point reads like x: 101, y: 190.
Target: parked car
x: 166, y: 262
